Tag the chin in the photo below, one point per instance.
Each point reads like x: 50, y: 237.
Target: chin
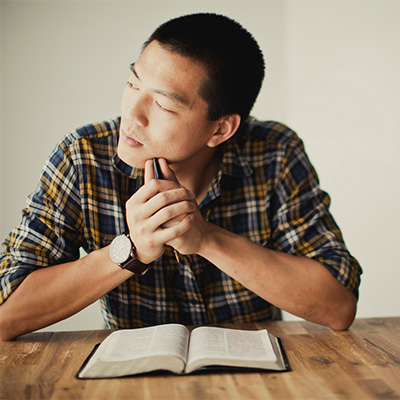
x: 128, y: 158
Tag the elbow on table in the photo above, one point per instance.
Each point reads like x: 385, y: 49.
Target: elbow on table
x: 341, y: 324
x: 342, y: 319
x: 8, y: 326
x: 5, y: 333
x: 7, y: 337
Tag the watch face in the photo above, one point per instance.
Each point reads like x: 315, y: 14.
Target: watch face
x: 120, y: 249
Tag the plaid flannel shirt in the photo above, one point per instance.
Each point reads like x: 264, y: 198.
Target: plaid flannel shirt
x: 266, y: 189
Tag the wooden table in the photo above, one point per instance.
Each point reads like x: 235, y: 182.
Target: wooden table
x: 361, y: 363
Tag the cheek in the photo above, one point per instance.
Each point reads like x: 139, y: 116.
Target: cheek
x: 184, y: 142
x: 173, y: 144
x: 179, y: 137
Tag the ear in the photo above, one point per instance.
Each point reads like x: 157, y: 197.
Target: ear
x: 226, y: 127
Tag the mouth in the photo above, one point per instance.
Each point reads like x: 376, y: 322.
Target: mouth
x: 130, y: 141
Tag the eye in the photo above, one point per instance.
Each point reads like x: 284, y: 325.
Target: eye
x: 163, y: 108
x: 131, y: 85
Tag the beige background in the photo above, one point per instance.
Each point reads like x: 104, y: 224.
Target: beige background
x: 333, y: 75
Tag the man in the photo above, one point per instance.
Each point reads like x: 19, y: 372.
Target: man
x: 236, y: 229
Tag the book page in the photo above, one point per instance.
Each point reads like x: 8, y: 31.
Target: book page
x: 133, y: 351
x: 229, y: 345
x: 129, y: 344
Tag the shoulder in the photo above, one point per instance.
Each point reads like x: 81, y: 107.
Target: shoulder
x: 263, y: 142
x: 269, y: 133
x: 96, y: 139
x: 99, y: 132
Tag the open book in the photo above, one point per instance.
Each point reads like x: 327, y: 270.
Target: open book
x: 173, y: 348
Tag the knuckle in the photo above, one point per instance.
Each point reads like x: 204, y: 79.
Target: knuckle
x: 163, y: 197
x: 133, y: 220
x: 153, y: 184
x: 190, y: 206
x: 183, y: 192
x: 141, y: 231
x: 167, y: 213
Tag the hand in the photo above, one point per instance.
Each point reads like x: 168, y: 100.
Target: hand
x: 191, y: 241
x: 158, y: 212
x: 195, y: 237
x: 167, y: 174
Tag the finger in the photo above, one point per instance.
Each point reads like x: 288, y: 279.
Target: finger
x: 167, y: 216
x: 166, y: 235
x: 166, y: 197
x: 166, y: 170
x: 173, y: 214
x: 150, y: 189
x: 148, y: 171
x: 144, y: 194
x: 154, y: 196
x: 174, y: 221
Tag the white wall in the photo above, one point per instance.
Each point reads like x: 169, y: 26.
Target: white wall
x: 332, y: 75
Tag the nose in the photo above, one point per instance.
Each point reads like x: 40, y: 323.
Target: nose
x: 135, y: 108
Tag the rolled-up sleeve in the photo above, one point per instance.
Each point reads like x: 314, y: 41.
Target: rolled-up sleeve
x: 50, y: 231
x: 303, y: 225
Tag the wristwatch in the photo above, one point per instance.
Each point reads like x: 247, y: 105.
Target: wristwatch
x: 123, y: 253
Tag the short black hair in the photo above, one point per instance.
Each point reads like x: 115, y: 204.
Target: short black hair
x: 231, y: 56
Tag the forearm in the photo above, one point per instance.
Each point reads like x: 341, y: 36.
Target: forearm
x: 51, y: 294
x: 299, y: 285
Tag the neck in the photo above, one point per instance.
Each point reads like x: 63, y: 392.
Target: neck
x: 198, y: 172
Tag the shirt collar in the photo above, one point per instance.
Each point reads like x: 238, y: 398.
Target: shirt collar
x: 233, y: 166
x: 234, y: 162
x: 125, y: 169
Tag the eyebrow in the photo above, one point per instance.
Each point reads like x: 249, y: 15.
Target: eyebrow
x: 166, y: 93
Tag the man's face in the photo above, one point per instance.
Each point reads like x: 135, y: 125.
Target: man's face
x: 162, y: 114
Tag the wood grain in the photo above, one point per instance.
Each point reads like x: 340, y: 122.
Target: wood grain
x: 361, y: 363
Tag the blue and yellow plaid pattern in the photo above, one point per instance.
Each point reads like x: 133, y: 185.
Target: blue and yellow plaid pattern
x: 266, y: 190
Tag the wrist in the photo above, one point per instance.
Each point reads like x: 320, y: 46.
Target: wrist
x: 210, y: 238
x: 122, y: 252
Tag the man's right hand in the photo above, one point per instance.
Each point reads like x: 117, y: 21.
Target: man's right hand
x: 158, y: 212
